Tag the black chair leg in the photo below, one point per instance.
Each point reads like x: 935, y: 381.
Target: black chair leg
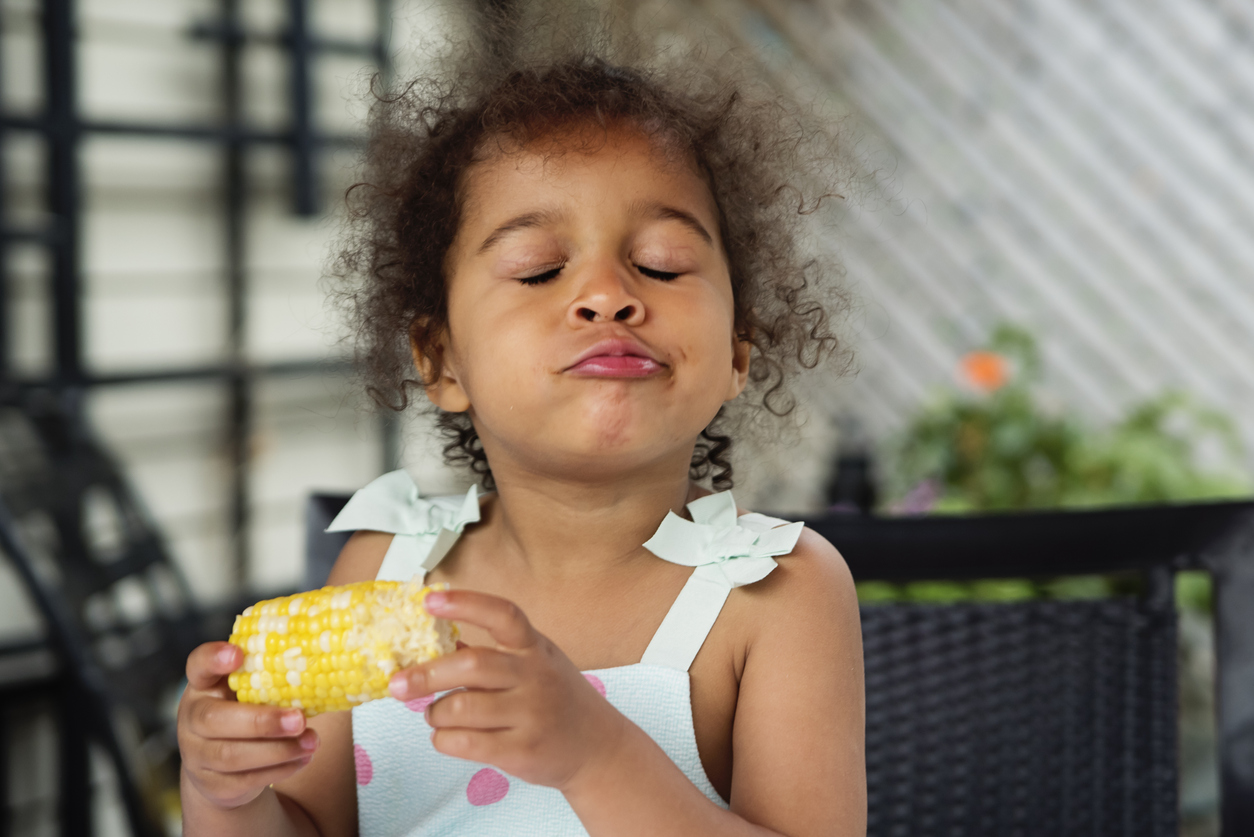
x: 137, y: 814
x: 1234, y: 693
x: 75, y: 802
x: 6, y: 798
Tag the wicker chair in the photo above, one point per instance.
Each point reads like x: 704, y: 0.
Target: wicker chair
x: 1047, y: 717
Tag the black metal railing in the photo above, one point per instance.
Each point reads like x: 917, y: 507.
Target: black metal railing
x: 62, y: 127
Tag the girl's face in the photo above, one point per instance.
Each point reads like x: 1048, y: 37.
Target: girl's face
x: 590, y: 309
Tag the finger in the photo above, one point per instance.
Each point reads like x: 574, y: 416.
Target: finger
x: 248, y: 755
x: 210, y: 662
x: 472, y: 710
x: 214, y: 718
x: 229, y: 788
x: 470, y: 744
x: 472, y: 668
x: 500, y: 617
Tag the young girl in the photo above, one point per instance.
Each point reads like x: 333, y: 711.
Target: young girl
x: 583, y: 263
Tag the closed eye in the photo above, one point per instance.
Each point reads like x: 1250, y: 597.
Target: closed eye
x: 541, y: 278
x: 663, y: 275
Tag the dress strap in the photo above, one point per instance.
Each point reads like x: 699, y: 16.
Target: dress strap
x: 726, y: 551
x: 425, y: 529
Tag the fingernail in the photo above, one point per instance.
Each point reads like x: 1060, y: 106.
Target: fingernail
x: 309, y: 742
x: 227, y: 655
x: 292, y: 721
x: 436, y: 599
x: 399, y: 687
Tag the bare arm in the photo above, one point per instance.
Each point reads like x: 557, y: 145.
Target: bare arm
x: 232, y: 752
x: 800, y: 761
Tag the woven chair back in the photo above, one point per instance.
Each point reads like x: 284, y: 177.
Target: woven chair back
x: 1033, y: 718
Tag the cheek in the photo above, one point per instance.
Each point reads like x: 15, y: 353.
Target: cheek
x: 502, y: 358
x: 703, y: 328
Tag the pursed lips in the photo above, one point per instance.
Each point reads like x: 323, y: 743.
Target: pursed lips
x: 616, y: 359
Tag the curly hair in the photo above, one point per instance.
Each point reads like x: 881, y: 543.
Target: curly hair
x: 765, y: 166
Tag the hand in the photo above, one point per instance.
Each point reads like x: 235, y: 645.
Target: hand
x: 521, y: 706
x: 232, y: 751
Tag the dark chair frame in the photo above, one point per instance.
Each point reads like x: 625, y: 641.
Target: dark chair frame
x: 88, y: 695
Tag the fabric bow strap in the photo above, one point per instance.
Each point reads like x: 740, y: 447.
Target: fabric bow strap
x: 735, y: 550
x: 425, y: 529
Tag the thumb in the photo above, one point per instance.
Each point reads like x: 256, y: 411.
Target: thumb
x: 211, y: 662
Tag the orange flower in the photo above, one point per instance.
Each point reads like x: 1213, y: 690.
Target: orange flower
x: 987, y: 371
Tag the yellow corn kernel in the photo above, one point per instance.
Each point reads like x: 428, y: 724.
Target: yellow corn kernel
x: 335, y: 648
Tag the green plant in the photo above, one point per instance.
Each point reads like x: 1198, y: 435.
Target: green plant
x: 995, y: 447
x: 991, y: 445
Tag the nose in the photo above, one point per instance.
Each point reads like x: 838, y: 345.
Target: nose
x: 607, y: 296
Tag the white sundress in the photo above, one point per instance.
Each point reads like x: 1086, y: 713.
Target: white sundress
x: 405, y: 788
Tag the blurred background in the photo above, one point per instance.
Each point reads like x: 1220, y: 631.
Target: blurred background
x: 1049, y: 241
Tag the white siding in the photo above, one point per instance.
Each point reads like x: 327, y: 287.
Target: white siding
x: 1082, y: 169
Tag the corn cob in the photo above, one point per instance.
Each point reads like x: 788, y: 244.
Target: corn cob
x: 335, y: 648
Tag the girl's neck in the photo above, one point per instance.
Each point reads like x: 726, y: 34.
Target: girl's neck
x: 557, y: 529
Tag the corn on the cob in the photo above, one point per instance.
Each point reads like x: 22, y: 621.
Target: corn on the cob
x: 335, y: 648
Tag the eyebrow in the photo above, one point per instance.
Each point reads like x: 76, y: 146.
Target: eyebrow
x: 526, y: 221
x: 663, y: 212
x: 647, y: 209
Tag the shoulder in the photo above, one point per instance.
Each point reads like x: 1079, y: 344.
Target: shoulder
x: 803, y: 622
x: 361, y: 557
x: 808, y: 600
x: 813, y: 573
x: 392, y: 506
x: 812, y: 561
x: 815, y: 565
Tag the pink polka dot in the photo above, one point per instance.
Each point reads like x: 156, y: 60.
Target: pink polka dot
x: 420, y: 704
x: 487, y: 786
x: 361, y: 759
x: 596, y: 683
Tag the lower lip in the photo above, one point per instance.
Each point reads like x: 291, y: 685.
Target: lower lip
x: 625, y: 366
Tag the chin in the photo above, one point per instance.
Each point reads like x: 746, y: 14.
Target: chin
x: 594, y: 455
x: 621, y: 450
x: 626, y: 417
x: 599, y: 466
x: 602, y: 437
x: 638, y: 434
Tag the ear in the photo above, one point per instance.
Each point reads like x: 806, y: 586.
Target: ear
x: 440, y: 381
x: 741, y: 349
